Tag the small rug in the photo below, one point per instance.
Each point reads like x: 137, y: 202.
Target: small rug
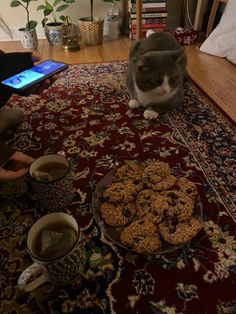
x: 85, y: 115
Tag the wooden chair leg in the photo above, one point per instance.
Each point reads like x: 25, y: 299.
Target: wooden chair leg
x: 139, y: 19
x: 211, y: 20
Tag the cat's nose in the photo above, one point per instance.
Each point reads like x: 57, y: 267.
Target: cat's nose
x: 165, y: 90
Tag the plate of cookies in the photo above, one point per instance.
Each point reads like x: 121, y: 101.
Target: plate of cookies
x: 145, y: 208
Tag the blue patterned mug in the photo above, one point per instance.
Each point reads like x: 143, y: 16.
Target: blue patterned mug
x: 56, y: 245
x: 52, y: 181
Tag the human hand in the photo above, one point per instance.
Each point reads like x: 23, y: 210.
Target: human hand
x: 19, y: 167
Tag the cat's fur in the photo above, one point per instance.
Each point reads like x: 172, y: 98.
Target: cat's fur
x: 155, y: 74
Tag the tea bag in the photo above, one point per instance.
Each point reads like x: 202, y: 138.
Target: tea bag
x: 42, y: 176
x: 56, y: 244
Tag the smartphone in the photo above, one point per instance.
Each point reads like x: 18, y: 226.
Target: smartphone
x: 20, y: 82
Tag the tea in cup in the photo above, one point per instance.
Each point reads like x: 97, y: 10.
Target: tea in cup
x: 52, y: 181
x: 55, y: 244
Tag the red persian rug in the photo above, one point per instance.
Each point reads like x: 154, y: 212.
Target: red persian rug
x: 85, y: 115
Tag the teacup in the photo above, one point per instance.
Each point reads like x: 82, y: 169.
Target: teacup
x: 52, y: 181
x: 55, y: 244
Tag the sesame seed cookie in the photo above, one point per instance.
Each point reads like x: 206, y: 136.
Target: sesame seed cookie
x: 180, y: 205
x: 136, y: 231
x: 117, y: 215
x: 151, y: 204
x: 180, y: 233
x: 187, y: 186
x: 165, y: 184
x: 129, y: 171
x: 155, y: 172
x: 120, y: 192
x: 148, y: 245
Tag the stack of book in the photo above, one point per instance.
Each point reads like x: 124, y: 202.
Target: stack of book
x: 154, y: 16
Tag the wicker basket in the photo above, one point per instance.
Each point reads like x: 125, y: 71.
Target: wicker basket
x: 91, y: 31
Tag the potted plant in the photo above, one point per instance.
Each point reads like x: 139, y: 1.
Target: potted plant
x: 52, y: 22
x: 91, y: 27
x: 28, y: 33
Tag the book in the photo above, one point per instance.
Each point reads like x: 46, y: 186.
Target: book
x: 149, y: 15
x: 151, y: 5
x: 144, y: 10
x: 148, y: 26
x: 148, y: 1
x: 150, y: 21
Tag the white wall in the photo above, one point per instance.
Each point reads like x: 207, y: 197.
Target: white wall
x: 16, y: 17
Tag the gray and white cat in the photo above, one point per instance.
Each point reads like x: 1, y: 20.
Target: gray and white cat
x: 155, y: 74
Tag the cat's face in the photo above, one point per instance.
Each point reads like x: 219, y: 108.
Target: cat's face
x: 157, y: 72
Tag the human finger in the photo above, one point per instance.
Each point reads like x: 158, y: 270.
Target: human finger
x: 22, y: 158
x: 35, y: 58
x: 9, y: 175
x: 38, y: 88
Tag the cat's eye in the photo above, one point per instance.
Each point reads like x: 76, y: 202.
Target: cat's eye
x: 140, y: 68
x: 143, y: 68
x: 158, y: 81
x: 173, y: 80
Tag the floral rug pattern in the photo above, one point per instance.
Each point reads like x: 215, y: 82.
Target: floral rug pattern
x: 85, y: 116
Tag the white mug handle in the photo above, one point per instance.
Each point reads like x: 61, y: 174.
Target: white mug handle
x: 26, y: 280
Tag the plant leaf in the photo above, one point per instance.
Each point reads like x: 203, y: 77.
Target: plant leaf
x: 69, y: 1
x: 56, y: 2
x: 48, y: 5
x: 44, y: 21
x: 31, y: 25
x: 47, y: 12
x: 62, y: 17
x: 15, y: 3
x: 62, y: 7
x: 41, y: 7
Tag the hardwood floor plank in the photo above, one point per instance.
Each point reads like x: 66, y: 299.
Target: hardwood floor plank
x: 216, y: 76
x: 14, y: 46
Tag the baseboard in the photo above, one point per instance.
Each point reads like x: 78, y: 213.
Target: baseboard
x: 5, y: 36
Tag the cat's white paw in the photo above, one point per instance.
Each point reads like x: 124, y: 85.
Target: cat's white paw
x: 150, y: 114
x: 133, y: 103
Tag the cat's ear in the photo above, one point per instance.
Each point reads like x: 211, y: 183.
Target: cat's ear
x: 140, y: 61
x: 179, y: 55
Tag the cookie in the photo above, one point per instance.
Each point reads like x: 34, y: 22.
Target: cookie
x: 117, y: 215
x: 155, y: 172
x: 129, y: 171
x: 137, y: 231
x: 180, y: 233
x: 187, y: 186
x: 149, y: 203
x: 165, y: 184
x: 144, y: 201
x: 180, y: 206
x: 120, y: 192
x: 148, y: 245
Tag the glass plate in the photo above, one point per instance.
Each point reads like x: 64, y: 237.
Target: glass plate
x: 113, y: 233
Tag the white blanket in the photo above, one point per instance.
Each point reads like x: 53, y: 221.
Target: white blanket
x: 222, y: 41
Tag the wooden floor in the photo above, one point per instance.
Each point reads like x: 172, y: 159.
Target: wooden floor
x: 216, y: 76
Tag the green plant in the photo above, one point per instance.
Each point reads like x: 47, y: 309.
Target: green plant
x: 30, y: 24
x: 52, y: 9
x: 91, y: 7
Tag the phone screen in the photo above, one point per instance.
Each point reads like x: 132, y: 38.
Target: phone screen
x: 33, y: 75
